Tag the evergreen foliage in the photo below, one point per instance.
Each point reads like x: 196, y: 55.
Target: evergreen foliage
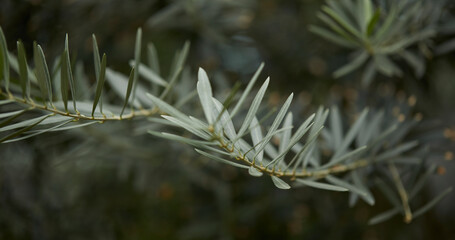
x: 369, y: 154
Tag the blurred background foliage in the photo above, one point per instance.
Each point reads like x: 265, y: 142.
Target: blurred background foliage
x: 112, y: 181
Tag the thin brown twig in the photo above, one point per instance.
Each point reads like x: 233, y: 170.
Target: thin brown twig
x: 402, y: 192
x: 133, y: 114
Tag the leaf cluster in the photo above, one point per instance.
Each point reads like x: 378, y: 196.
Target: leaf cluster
x: 381, y: 33
x: 369, y: 154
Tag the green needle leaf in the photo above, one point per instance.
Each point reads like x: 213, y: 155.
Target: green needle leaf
x: 165, y: 107
x: 343, y: 22
x: 10, y: 117
x: 69, y: 73
x: 350, y: 187
x: 247, y: 90
x: 205, y: 95
x: 23, y: 69
x: 433, y: 202
x: 152, y: 57
x: 14, y: 134
x: 320, y: 185
x: 373, y: 21
x: 216, y: 158
x: 149, y: 74
x: 254, y: 172
x: 351, y: 134
x: 36, y: 132
x: 137, y: 60
x: 100, y: 84
x: 64, y: 81
x: 383, y: 216
x: 128, y: 90
x: 42, y: 73
x: 96, y: 57
x: 279, y: 183
x: 4, y: 61
x: 331, y: 37
x: 352, y: 65
x: 253, y: 109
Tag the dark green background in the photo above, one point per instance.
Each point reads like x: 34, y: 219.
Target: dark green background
x: 108, y: 182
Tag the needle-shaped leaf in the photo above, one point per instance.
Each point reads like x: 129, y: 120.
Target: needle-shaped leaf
x: 351, y: 134
x: 179, y: 59
x: 35, y: 133
x: 100, y: 83
x: 276, y: 122
x: 23, y: 69
x: 344, y: 9
x: 173, y: 137
x: 9, y: 114
x: 373, y: 21
x: 286, y: 135
x: 346, y: 156
x: 360, y: 183
x: 97, y: 63
x: 165, y: 107
x: 50, y: 119
x: 253, y: 109
x: 152, y: 56
x: 137, y: 60
x: 205, y: 95
x: 358, y: 61
x: 4, y: 102
x: 415, y: 62
x: 320, y: 185
x: 247, y: 91
x: 96, y: 57
x: 183, y: 54
x: 216, y: 158
x: 342, y: 21
x: 369, y: 73
x: 171, y: 83
x: 336, y: 28
x: 190, y: 127
x: 254, y: 172
x: 42, y: 73
x: 78, y: 125
x: 422, y: 180
x: 4, y: 61
x: 128, y: 91
x: 349, y: 186
x: 225, y: 123
x: 257, y: 137
x: 432, y: 203
x: 383, y: 216
x: 386, y: 66
x: 336, y: 127
x: 10, y: 118
x: 64, y: 79
x: 279, y: 183
x: 407, y: 41
x: 69, y: 73
x: 331, y: 36
x: 119, y: 83
x: 295, y: 138
x: 364, y: 13
x: 390, y: 195
x: 28, y: 127
x: 149, y: 74
x: 386, y: 26
x: 316, y: 129
x: 396, y: 151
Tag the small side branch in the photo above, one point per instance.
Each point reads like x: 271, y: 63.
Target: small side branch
x: 33, y: 105
x: 402, y: 192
